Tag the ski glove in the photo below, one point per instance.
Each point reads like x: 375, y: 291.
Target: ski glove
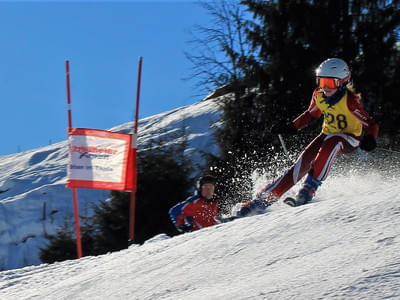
x: 286, y: 128
x: 188, y: 226
x: 368, y: 143
x: 185, y: 228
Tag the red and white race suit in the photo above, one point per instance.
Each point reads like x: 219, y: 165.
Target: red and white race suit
x: 343, y: 126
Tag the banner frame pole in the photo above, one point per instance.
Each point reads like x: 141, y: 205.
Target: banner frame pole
x: 134, y: 157
x: 74, y: 192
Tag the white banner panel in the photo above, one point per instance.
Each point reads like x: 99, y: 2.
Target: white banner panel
x: 98, y: 159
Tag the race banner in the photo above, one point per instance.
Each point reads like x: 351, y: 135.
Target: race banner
x: 99, y: 159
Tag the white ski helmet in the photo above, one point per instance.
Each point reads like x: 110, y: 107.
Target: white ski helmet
x: 334, y: 68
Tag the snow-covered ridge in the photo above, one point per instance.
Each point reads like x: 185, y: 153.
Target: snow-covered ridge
x: 34, y: 201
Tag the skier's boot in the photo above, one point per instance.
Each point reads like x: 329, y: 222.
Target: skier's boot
x: 253, y: 207
x: 306, y: 193
x: 246, y: 209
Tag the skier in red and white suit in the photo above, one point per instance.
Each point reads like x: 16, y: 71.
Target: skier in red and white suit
x: 346, y: 126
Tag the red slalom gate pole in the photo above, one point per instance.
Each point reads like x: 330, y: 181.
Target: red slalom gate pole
x: 68, y: 95
x: 74, y: 192
x: 77, y: 226
x: 134, y: 156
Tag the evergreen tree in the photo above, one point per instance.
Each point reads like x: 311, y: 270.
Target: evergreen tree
x: 108, y: 227
x: 62, y: 246
x: 165, y: 180
x: 293, y: 37
x: 377, y: 65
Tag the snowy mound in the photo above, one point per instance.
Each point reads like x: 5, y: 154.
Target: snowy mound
x: 35, y: 203
x: 343, y: 245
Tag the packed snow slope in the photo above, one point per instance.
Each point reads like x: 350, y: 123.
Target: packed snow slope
x: 343, y: 245
x: 34, y: 201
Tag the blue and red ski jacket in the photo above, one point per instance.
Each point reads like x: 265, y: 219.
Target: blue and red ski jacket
x: 195, y: 211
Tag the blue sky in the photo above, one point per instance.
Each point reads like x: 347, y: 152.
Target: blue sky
x: 103, y: 42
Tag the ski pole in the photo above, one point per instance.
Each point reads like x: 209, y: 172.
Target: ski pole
x: 283, y: 144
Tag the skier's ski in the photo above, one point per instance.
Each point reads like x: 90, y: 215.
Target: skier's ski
x: 292, y: 202
x: 220, y: 219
